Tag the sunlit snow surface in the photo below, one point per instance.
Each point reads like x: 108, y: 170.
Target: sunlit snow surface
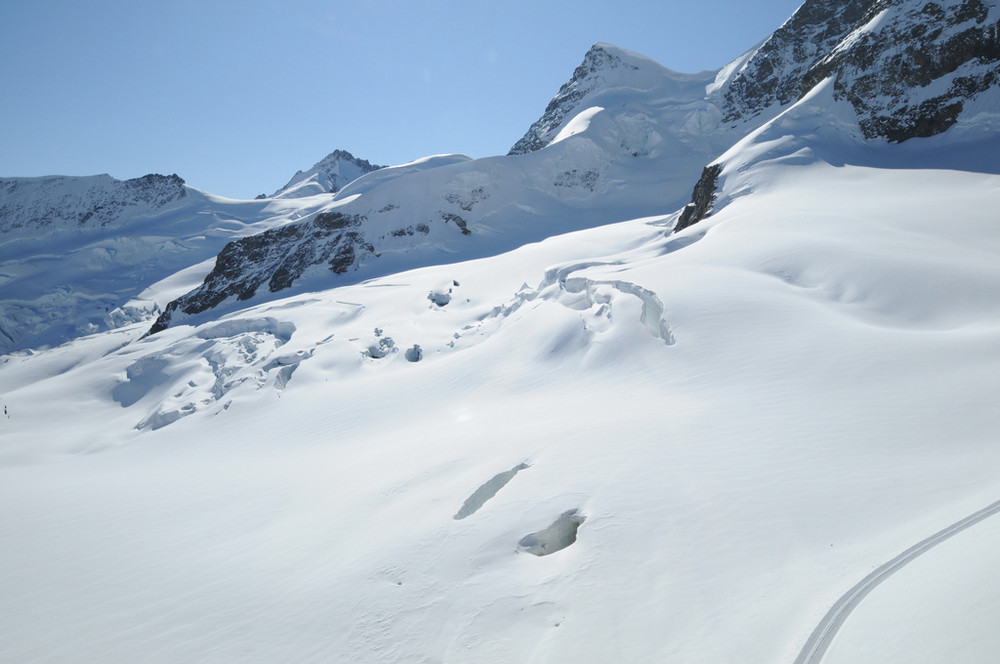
x: 748, y: 417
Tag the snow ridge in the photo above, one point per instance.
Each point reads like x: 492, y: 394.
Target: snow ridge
x: 54, y: 204
x: 327, y: 176
x: 599, y: 63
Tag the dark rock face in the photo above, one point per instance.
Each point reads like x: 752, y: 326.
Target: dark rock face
x: 276, y: 257
x: 701, y: 199
x: 584, y: 81
x: 775, y: 73
x: 887, y: 73
x: 54, y: 203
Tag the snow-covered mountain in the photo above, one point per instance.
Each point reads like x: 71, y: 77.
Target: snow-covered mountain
x: 900, y: 72
x: 79, y: 255
x: 588, y: 423
x: 622, y: 117
x: 327, y: 176
x: 625, y: 138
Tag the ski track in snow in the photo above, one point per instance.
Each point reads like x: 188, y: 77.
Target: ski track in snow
x: 825, y: 632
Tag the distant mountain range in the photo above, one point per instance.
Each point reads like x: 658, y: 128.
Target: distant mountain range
x: 623, y: 138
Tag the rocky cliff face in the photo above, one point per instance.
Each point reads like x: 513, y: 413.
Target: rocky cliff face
x: 908, y: 67
x: 775, y: 73
x: 277, y: 258
x: 49, y: 204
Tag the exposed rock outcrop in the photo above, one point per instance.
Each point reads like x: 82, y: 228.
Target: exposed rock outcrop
x: 775, y: 74
x: 908, y: 68
x: 276, y: 257
x: 701, y: 199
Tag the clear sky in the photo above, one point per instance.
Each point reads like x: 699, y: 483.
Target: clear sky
x: 236, y: 96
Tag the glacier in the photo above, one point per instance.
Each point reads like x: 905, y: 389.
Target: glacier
x: 577, y: 432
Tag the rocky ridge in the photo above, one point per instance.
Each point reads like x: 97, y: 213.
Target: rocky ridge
x: 56, y: 203
x: 332, y: 238
x: 908, y: 69
x: 777, y: 72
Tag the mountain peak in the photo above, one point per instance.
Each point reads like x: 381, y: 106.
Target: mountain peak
x: 327, y: 176
x: 603, y: 65
x: 55, y: 203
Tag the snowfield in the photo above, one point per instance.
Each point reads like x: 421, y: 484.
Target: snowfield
x: 748, y: 417
x: 529, y: 408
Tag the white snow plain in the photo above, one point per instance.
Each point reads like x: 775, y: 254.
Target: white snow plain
x: 748, y: 417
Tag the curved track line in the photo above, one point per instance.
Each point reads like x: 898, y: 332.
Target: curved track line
x: 826, y: 630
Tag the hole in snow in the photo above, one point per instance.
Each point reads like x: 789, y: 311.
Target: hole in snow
x: 556, y: 537
x: 487, y: 491
x: 438, y: 298
x: 381, y: 348
x: 414, y: 354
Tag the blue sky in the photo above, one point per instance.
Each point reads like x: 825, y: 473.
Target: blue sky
x: 236, y: 96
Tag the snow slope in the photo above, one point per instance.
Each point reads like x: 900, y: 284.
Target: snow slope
x: 767, y: 437
x: 750, y: 416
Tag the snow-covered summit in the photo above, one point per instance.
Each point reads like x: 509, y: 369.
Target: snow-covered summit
x: 605, y: 69
x: 327, y: 176
x: 628, y: 137
x: 29, y: 206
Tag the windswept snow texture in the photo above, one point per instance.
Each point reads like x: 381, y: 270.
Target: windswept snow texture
x: 760, y: 430
x: 735, y: 483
